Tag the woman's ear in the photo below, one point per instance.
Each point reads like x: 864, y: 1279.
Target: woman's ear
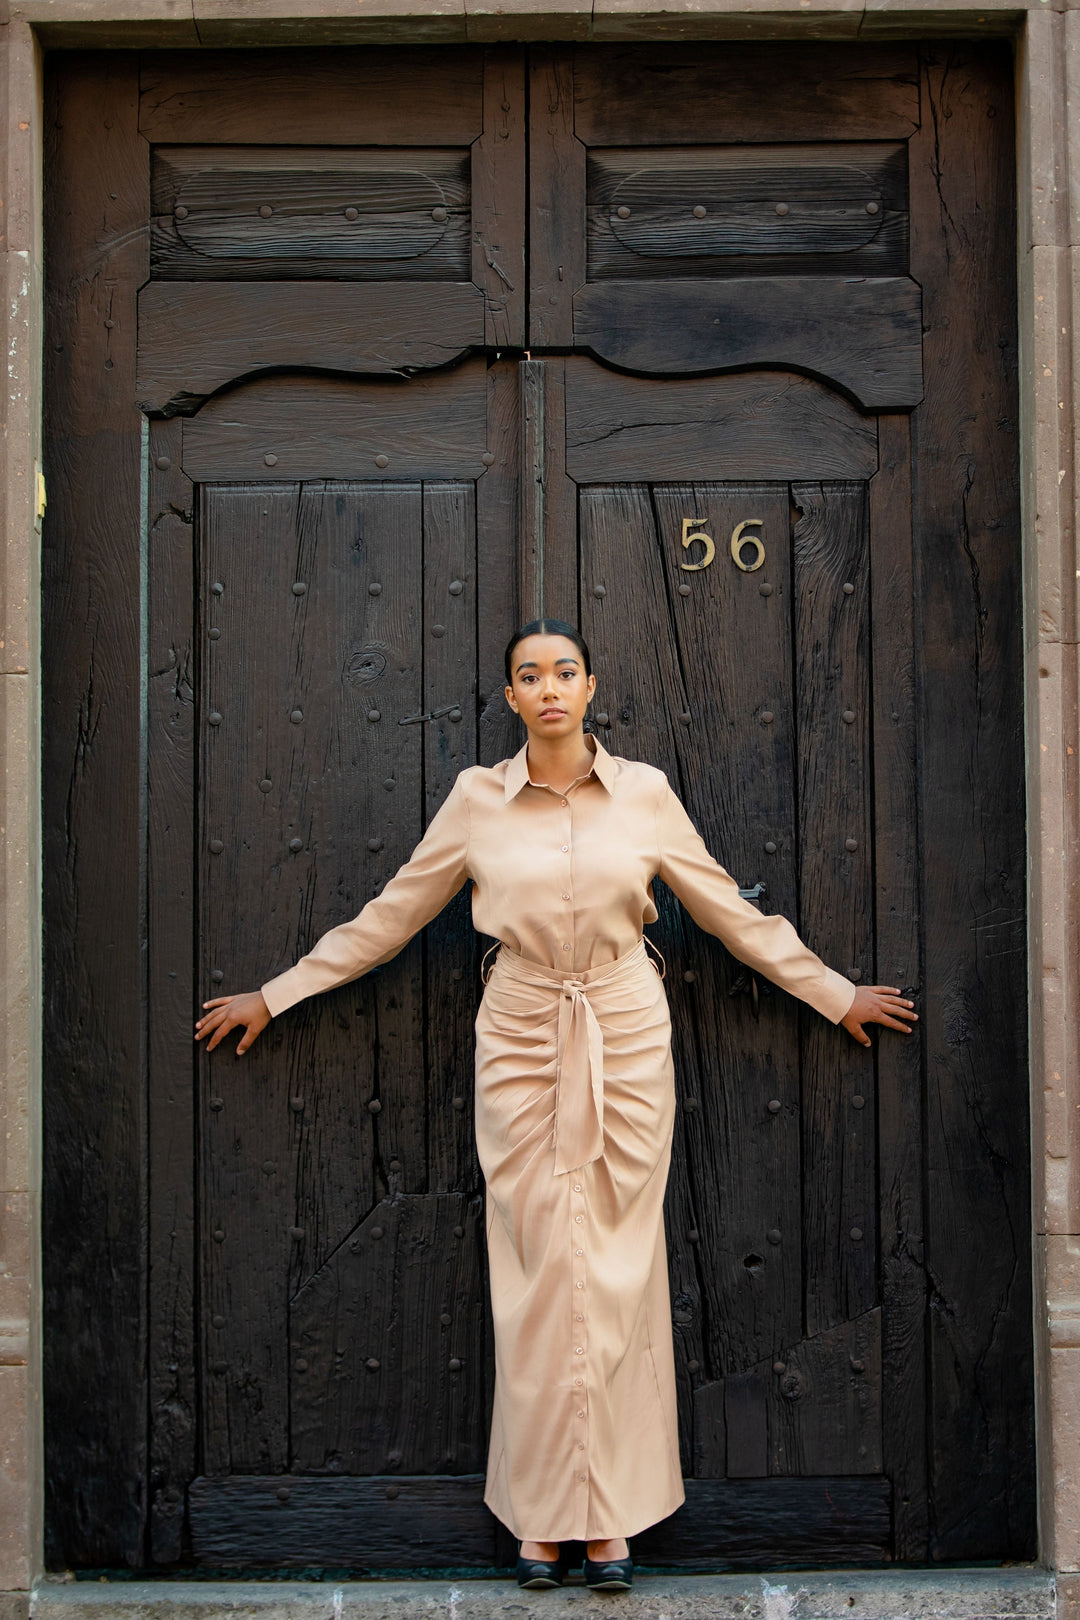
x: 591, y: 686
x: 509, y: 691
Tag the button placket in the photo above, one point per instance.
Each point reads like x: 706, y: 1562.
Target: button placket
x: 579, y: 1327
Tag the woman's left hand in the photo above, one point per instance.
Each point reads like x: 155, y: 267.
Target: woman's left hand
x: 877, y: 1004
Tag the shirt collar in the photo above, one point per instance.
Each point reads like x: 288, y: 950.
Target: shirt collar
x: 517, y: 769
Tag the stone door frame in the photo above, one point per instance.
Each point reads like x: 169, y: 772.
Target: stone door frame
x: 1046, y: 36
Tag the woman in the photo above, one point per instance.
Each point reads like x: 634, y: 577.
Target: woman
x: 574, y: 1093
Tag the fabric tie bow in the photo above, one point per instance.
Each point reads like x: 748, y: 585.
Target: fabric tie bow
x: 579, y: 1070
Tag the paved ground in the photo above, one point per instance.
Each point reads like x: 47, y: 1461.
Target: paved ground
x: 1020, y: 1592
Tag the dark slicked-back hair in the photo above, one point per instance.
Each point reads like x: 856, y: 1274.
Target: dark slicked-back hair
x: 546, y: 627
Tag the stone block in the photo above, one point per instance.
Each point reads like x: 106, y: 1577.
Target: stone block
x: 19, y: 936
x: 714, y: 19
x: 488, y: 20
x: 1018, y: 1593
x: 108, y: 23
x: 16, y: 1479
x: 331, y: 22
x: 16, y: 1210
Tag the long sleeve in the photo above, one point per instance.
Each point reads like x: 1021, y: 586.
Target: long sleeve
x: 416, y: 893
x: 711, y: 896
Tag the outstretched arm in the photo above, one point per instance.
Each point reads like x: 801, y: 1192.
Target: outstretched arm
x: 769, y: 944
x: 415, y: 894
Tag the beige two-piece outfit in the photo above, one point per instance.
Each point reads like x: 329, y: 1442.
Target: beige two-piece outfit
x: 575, y: 1104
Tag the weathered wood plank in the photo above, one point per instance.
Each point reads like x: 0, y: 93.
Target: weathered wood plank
x: 369, y: 96
x: 644, y: 95
x: 737, y: 770
x: 556, y: 198
x: 862, y: 335
x: 376, y: 1388
x: 772, y: 1523
x: 812, y: 1408
x: 431, y: 1522
x: 897, y: 869
x: 279, y: 213
x: 356, y: 1524
x: 498, y: 198
x: 498, y: 560
x: 972, y: 811
x: 831, y: 589
x: 171, y: 996
x: 769, y: 426
x: 94, y: 1061
x: 449, y: 740
x: 196, y: 337
x: 681, y: 211
x: 384, y: 429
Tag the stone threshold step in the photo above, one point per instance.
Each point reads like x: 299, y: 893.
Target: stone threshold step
x: 1016, y: 1592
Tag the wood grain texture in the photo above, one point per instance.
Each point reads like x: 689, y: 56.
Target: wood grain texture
x: 197, y: 337
x: 450, y: 592
x: 498, y: 562
x: 897, y: 904
x: 737, y: 778
x: 632, y: 95
x: 170, y: 992
x: 398, y: 1523
x: 812, y: 1408
x: 862, y: 335
x: 677, y: 211
x: 771, y: 1524
x: 370, y: 96
x: 972, y: 812
x: 281, y: 212
x: 428, y: 427
x: 94, y: 1061
x: 498, y: 198
x: 352, y: 1524
x: 835, y: 791
x: 377, y: 1389
x: 769, y: 425
x: 556, y: 198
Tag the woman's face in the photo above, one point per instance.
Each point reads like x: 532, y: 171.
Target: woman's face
x: 550, y: 689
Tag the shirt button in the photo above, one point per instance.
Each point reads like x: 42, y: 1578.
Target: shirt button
x: 565, y: 847
x: 566, y: 897
x: 579, y: 1318
x: 579, y: 1349
x: 566, y: 947
x: 581, y: 1445
x: 562, y: 801
x: 577, y: 1186
x: 579, y: 1219
x: 579, y: 1381
x: 580, y: 1285
x: 579, y: 1251
x: 582, y: 1412
x: 582, y: 1477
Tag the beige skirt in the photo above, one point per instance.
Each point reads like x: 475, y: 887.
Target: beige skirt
x: 575, y: 1106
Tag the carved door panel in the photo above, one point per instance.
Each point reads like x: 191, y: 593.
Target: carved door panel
x: 341, y: 1372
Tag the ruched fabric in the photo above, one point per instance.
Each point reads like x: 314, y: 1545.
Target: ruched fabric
x: 575, y: 1107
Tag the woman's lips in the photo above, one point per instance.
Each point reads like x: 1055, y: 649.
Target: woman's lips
x: 551, y: 714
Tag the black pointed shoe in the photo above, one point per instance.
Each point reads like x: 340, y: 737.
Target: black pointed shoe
x: 538, y: 1573
x: 610, y: 1575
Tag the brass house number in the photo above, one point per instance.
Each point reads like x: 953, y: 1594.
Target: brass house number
x: 739, y: 539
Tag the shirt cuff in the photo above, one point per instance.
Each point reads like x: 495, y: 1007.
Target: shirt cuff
x: 836, y: 996
x: 282, y: 992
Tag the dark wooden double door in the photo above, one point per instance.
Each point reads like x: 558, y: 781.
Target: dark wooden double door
x: 355, y: 360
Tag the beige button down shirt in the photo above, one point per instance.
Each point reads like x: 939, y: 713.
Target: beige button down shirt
x: 563, y: 878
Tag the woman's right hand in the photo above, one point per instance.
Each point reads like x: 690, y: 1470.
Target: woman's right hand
x: 248, y: 1011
